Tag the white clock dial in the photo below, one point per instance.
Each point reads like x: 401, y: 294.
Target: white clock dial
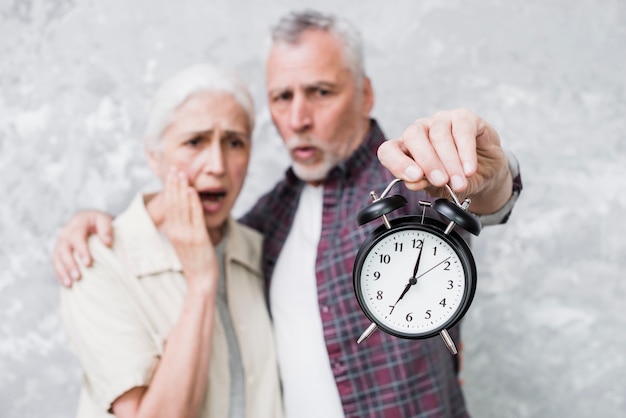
x: 412, y: 282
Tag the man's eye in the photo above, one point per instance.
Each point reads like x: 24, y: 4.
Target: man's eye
x: 236, y: 143
x: 282, y: 97
x: 193, y: 142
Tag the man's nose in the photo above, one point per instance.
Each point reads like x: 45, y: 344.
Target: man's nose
x: 301, y: 117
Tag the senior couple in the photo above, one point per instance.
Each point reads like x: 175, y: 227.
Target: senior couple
x: 171, y: 316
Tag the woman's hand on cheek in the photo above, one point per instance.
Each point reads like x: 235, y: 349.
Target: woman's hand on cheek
x: 186, y: 230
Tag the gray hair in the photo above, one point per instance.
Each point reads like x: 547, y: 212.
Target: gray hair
x: 290, y: 27
x: 178, y: 88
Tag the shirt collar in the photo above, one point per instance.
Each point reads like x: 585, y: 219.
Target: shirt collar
x: 239, y: 249
x: 148, y: 251
x: 144, y: 247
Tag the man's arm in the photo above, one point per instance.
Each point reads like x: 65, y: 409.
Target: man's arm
x: 71, y: 243
x: 457, y: 148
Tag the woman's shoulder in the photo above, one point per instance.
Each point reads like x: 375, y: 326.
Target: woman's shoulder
x: 131, y: 230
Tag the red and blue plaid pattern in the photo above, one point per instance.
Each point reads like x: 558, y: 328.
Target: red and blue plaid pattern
x: 384, y: 376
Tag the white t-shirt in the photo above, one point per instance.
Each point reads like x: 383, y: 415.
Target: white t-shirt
x: 309, y: 387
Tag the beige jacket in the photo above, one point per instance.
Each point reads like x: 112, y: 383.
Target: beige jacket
x: 118, y: 317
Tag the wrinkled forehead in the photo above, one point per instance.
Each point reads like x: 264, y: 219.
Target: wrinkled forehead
x: 210, y: 110
x: 315, y: 54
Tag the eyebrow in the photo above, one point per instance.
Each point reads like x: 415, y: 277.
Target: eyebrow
x: 210, y: 132
x: 305, y: 86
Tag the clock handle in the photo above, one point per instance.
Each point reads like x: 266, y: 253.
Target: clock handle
x: 381, y: 206
x: 457, y: 213
x: 447, y: 339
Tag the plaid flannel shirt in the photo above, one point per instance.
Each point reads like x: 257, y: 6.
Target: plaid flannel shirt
x: 384, y: 376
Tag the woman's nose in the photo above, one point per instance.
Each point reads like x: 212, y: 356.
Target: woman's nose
x: 213, y: 159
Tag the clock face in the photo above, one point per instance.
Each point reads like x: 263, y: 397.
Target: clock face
x: 414, y: 282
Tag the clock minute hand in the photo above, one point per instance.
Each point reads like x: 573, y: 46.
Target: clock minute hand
x: 417, y: 263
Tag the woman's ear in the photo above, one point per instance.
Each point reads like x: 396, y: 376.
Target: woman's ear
x: 154, y: 160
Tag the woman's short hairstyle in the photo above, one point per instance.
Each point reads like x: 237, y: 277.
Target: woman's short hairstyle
x: 290, y: 27
x: 192, y: 80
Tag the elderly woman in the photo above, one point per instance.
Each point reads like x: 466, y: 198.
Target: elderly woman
x: 171, y: 321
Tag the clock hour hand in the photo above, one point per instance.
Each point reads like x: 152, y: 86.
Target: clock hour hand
x: 411, y: 282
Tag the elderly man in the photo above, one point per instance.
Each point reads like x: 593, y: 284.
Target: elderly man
x: 320, y: 100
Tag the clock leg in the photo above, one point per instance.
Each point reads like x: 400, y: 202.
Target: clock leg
x: 369, y: 331
x: 448, y: 341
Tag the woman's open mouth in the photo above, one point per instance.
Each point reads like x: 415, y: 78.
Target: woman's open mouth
x: 212, y: 196
x: 211, y: 201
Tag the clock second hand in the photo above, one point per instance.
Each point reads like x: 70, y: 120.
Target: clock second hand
x: 370, y: 330
x: 433, y: 267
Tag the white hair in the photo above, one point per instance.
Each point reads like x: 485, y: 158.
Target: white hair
x: 178, y: 88
x: 290, y: 27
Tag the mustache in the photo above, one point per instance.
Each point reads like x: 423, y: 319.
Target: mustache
x: 298, y: 141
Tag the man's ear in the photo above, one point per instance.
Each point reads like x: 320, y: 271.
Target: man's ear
x: 368, y: 97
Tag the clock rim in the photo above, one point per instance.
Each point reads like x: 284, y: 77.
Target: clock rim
x: 433, y: 226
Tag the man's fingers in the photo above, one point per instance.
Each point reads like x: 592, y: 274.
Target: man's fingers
x: 81, y: 249
x: 72, y: 244
x: 417, y: 140
x: 59, y: 271
x: 452, y: 147
x: 465, y: 130
x: 443, y: 147
x: 453, y: 134
x: 422, y: 184
x: 392, y: 155
x: 444, y: 142
x: 104, y: 230
x: 65, y: 266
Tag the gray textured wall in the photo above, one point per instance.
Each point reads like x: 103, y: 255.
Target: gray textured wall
x: 546, y: 335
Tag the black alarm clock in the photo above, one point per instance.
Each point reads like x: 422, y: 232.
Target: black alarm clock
x: 414, y: 276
